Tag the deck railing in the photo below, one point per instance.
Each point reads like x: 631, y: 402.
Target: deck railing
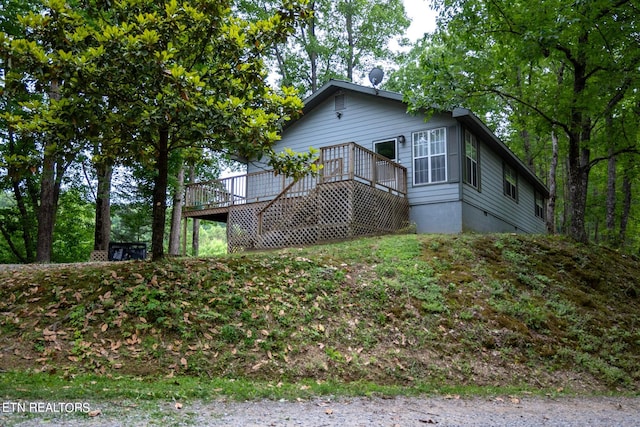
x: 352, y: 161
x: 235, y: 190
x: 288, y: 200
x: 347, y: 161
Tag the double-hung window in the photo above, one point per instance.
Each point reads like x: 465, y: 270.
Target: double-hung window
x: 429, y: 156
x: 510, y: 182
x: 540, y: 205
x: 471, y: 159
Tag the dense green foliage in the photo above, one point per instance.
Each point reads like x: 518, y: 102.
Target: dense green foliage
x: 140, y: 80
x: 543, y: 70
x: 341, y: 39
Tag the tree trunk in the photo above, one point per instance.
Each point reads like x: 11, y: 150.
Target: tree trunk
x: 49, y: 195
x: 26, y: 220
x: 102, y: 230
x: 551, y: 204
x: 350, y: 43
x: 160, y: 195
x: 577, y: 198
x: 281, y: 66
x: 626, y: 206
x: 311, y: 49
x: 523, y: 118
x: 564, y: 226
x: 610, y: 220
x: 526, y: 143
x: 176, y: 214
x: 579, y: 135
x: 195, y: 236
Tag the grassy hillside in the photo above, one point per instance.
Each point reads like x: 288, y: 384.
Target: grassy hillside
x: 486, y: 310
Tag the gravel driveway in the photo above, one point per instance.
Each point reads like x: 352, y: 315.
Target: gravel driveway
x: 401, y: 411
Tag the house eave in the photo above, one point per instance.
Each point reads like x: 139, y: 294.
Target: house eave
x: 470, y: 120
x: 334, y: 86
x: 463, y: 115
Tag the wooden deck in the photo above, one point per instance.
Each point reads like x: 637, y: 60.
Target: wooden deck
x: 356, y: 193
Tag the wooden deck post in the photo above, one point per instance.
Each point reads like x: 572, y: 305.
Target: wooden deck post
x: 321, y: 162
x: 184, y: 236
x: 374, y: 171
x: 352, y: 160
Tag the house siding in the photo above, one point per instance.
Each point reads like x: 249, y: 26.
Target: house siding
x: 361, y: 121
x: 442, y: 217
x: 447, y: 207
x: 489, y: 209
x: 365, y: 122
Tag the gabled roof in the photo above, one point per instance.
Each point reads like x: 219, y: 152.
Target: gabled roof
x: 333, y: 86
x: 463, y: 115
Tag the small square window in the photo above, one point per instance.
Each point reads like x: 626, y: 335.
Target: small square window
x: 386, y: 148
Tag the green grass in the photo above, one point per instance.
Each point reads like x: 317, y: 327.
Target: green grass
x: 31, y: 387
x: 397, y: 314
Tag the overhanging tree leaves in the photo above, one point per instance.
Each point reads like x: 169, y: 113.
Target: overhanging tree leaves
x: 190, y: 73
x: 169, y: 74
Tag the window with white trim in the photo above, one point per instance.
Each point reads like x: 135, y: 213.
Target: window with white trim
x: 386, y: 148
x: 471, y: 159
x: 429, y: 156
x: 510, y: 181
x: 385, y: 170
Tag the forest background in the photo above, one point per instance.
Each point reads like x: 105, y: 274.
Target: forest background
x: 110, y: 107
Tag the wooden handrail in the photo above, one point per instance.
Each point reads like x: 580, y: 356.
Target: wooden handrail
x: 361, y: 164
x: 279, y: 196
x: 282, y: 194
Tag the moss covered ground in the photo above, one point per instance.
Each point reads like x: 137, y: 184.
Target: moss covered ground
x: 426, y: 311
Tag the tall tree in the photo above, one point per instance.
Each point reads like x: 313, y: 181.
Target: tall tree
x: 486, y: 44
x: 18, y: 157
x: 39, y: 58
x: 175, y: 74
x: 340, y: 39
x: 194, y: 75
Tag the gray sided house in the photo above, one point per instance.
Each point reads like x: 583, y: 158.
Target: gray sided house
x: 383, y: 169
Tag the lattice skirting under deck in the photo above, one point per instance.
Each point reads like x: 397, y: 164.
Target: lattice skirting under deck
x: 332, y: 212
